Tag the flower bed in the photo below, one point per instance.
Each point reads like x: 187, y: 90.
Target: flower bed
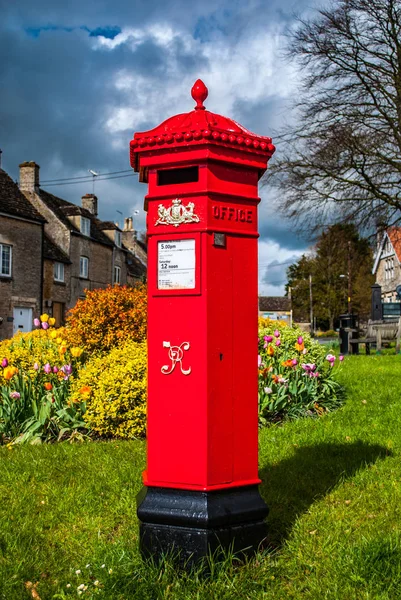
x: 295, y: 375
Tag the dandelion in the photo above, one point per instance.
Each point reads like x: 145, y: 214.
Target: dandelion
x: 36, y: 322
x: 96, y: 582
x: 110, y: 571
x: 15, y: 395
x: 78, y: 572
x: 4, y: 363
x: 68, y: 585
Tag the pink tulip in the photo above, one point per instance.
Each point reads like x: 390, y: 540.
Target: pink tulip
x: 278, y: 342
x: 45, y: 325
x: 341, y: 358
x: 268, y: 338
x: 55, y: 369
x: 36, y: 322
x: 300, y: 340
x: 294, y: 362
x: 47, y: 368
x: 304, y: 351
x: 331, y: 358
x: 259, y: 360
x: 15, y: 395
x: 4, y: 363
x: 36, y: 366
x: 276, y: 333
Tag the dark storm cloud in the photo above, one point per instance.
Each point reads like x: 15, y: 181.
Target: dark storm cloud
x: 58, y: 87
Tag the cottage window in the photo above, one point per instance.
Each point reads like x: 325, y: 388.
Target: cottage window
x: 85, y: 226
x: 118, y: 239
x: 84, y: 267
x: 58, y: 271
x: 117, y: 274
x: 5, y: 260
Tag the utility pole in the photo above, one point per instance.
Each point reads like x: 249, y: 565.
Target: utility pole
x: 311, y: 304
x: 349, y: 279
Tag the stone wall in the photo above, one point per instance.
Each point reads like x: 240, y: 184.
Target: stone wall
x: 24, y: 287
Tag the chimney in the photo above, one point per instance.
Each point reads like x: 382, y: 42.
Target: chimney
x: 89, y: 201
x: 29, y: 177
x: 128, y: 224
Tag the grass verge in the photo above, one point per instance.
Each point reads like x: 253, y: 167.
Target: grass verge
x: 67, y: 512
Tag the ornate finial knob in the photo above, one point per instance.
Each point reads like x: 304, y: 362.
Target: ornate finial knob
x: 199, y: 93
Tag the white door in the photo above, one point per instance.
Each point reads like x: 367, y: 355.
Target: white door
x: 22, y: 319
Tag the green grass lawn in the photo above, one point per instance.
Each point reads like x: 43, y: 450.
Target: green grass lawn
x: 333, y: 486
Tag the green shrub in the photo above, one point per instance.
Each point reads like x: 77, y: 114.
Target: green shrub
x: 295, y: 375
x: 114, y: 388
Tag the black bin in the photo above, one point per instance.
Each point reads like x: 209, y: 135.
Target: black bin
x: 347, y: 322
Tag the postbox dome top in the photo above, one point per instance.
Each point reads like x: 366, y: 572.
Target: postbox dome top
x: 199, y: 126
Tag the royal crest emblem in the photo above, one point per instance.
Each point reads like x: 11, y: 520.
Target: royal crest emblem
x: 175, y: 354
x: 177, y: 214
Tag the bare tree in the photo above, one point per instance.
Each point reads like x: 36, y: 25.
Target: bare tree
x: 342, y: 161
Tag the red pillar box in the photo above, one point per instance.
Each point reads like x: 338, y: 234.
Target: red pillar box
x: 201, y: 482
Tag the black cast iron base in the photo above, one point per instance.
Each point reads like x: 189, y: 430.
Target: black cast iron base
x: 192, y: 525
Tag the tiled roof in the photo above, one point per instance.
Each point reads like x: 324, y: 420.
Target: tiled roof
x: 13, y: 201
x: 107, y: 225
x: 62, y: 209
x: 274, y: 303
x: 395, y: 238
x: 135, y: 267
x: 53, y: 252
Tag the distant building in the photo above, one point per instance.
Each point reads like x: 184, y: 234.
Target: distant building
x: 275, y: 308
x: 387, y: 265
x: 55, y: 250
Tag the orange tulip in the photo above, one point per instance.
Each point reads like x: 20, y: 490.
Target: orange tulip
x: 270, y: 351
x: 48, y: 386
x: 9, y: 372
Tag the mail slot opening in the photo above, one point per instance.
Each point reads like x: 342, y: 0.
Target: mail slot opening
x: 174, y: 176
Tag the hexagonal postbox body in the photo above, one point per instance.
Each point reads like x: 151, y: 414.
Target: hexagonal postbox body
x: 202, y: 172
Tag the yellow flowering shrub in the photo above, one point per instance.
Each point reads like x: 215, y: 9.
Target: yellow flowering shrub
x: 25, y: 349
x: 114, y: 388
x: 107, y: 317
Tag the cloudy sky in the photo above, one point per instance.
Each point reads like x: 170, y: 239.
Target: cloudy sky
x: 78, y: 78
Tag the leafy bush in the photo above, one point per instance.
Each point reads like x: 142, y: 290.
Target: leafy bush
x: 114, y: 388
x: 328, y: 333
x: 295, y: 375
x: 108, y: 317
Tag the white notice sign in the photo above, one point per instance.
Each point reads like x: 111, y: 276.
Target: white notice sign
x: 176, y: 265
